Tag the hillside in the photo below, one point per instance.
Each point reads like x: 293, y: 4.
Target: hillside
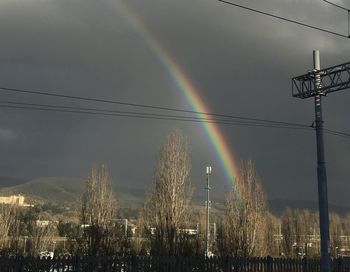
x: 277, y: 206
x: 56, y: 189
x: 66, y: 191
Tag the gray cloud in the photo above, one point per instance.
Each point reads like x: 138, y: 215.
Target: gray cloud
x: 241, y: 63
x: 7, y: 135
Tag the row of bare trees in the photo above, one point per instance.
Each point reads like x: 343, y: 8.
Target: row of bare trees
x: 244, y: 223
x: 100, y: 233
x: 166, y: 211
x: 20, y: 232
x: 169, y: 213
x: 297, y: 233
x: 246, y: 228
x: 168, y: 208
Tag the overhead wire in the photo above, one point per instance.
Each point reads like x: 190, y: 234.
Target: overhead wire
x: 157, y: 116
x: 337, y: 133
x: 336, y: 5
x: 165, y: 117
x: 139, y: 115
x: 94, y: 111
x: 228, y: 119
x: 285, y: 19
x: 342, y: 8
x: 143, y: 115
x: 137, y: 105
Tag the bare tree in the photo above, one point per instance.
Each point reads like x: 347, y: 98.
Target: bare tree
x: 100, y: 230
x: 40, y: 238
x: 139, y: 243
x: 299, y: 232
x: 288, y: 231
x: 201, y: 227
x: 8, y: 217
x: 336, y: 232
x: 168, y: 207
x: 346, y: 230
x: 273, y: 235
x: 244, y: 223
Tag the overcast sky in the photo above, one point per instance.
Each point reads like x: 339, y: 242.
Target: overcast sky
x: 241, y: 62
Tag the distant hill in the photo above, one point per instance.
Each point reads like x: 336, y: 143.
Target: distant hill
x: 68, y: 191
x: 277, y: 206
x: 56, y: 189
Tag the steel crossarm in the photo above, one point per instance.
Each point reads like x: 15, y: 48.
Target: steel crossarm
x: 333, y: 79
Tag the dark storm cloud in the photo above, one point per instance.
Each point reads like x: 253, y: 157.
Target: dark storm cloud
x: 242, y: 64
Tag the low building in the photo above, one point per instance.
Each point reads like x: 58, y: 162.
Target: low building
x: 12, y: 200
x: 42, y: 223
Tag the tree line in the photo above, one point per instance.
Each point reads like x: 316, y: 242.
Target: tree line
x: 168, y: 225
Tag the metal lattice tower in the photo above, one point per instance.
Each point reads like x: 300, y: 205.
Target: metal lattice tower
x: 332, y: 79
x: 319, y: 83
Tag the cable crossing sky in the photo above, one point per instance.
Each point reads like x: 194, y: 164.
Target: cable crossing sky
x: 217, y: 118
x: 290, y: 20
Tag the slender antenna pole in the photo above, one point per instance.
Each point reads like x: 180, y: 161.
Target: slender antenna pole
x: 207, y: 232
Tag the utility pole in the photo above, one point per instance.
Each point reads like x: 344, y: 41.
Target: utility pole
x: 207, y: 230
x: 321, y: 171
x: 318, y: 83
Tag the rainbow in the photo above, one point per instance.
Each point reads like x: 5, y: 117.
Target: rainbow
x: 188, y: 89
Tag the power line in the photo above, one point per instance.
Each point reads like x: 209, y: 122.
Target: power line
x: 89, y: 111
x: 284, y: 19
x: 142, y: 115
x: 336, y: 5
x: 253, y: 122
x: 107, y: 101
x: 343, y: 8
x: 63, y: 109
x: 338, y: 133
x: 118, y: 112
x: 102, y: 110
x: 146, y: 113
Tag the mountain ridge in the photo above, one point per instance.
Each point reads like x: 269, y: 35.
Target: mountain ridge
x: 68, y: 191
